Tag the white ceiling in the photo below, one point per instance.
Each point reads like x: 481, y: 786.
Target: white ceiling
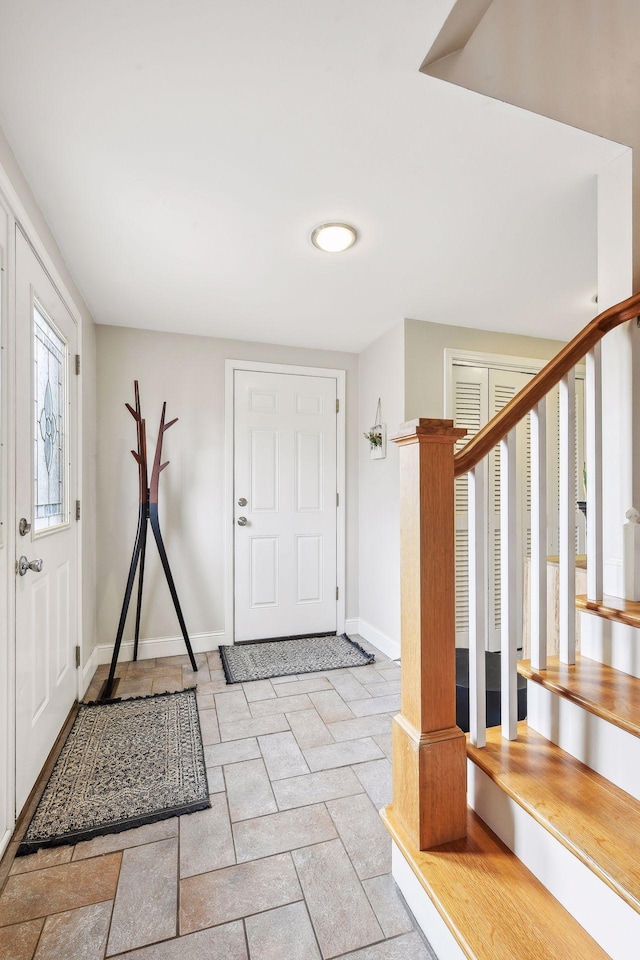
x: 183, y: 150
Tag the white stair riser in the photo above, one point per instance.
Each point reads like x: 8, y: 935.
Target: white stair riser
x: 443, y: 942
x: 610, y: 751
x: 603, y: 914
x: 607, y: 641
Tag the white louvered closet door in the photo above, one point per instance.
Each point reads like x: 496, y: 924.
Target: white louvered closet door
x: 470, y: 410
x: 503, y: 385
x: 478, y: 394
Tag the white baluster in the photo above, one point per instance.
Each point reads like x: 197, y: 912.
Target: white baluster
x: 593, y: 417
x: 567, y: 510
x: 508, y: 570
x: 477, y: 603
x: 538, y: 565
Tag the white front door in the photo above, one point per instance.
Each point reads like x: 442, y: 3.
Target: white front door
x: 285, y: 504
x: 46, y: 438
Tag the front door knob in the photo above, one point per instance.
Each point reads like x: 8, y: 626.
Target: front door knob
x: 242, y: 502
x: 24, y: 565
x: 242, y: 521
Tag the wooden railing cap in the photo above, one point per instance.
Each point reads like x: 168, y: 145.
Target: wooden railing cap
x: 427, y: 427
x: 525, y: 400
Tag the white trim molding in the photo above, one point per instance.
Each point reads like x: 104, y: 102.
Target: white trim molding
x: 161, y: 647
x: 87, y: 672
x: 340, y: 376
x: 386, y: 645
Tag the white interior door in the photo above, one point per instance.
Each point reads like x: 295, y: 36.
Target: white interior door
x: 46, y: 438
x: 285, y: 489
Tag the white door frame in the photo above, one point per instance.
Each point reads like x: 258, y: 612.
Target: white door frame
x: 229, y: 512
x: 20, y: 219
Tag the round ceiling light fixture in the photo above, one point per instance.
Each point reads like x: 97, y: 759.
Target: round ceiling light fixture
x: 334, y: 237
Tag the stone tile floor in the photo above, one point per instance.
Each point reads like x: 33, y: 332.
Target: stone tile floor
x: 290, y: 863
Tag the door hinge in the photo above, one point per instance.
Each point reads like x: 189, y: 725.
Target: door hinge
x: 337, y: 406
x: 337, y: 499
x: 77, y: 364
x: 337, y: 592
x: 77, y: 509
x: 77, y: 657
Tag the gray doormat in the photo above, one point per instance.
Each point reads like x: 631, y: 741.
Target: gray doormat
x: 124, y: 763
x: 282, y: 658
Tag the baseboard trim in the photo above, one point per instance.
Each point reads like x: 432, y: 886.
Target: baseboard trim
x: 390, y: 648
x: 4, y: 841
x: 161, y: 646
x: 88, y: 671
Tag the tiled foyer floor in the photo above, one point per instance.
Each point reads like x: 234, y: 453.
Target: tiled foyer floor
x: 290, y: 863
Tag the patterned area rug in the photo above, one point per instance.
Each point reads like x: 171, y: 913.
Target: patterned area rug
x: 281, y: 658
x: 124, y: 763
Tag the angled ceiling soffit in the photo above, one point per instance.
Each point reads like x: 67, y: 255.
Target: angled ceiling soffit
x: 457, y: 30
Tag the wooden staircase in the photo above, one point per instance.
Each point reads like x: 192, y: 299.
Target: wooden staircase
x: 549, y: 868
x: 522, y: 841
x: 486, y: 902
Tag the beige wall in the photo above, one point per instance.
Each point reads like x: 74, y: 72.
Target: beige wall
x: 405, y: 368
x: 88, y: 392
x: 575, y: 61
x: 189, y: 373
x: 382, y: 376
x: 425, y: 344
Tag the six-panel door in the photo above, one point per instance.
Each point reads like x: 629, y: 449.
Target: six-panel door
x: 285, y: 470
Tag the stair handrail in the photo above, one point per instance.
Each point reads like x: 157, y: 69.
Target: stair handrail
x: 526, y: 399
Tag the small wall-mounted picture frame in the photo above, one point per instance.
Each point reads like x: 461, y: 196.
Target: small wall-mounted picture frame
x: 377, y: 436
x: 378, y: 445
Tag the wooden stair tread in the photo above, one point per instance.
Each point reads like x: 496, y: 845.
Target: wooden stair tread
x: 597, y: 821
x: 612, y: 608
x: 493, y: 905
x: 610, y: 694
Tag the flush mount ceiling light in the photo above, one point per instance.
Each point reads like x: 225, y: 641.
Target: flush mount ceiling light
x: 334, y: 237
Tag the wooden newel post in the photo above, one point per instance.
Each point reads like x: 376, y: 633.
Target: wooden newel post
x: 429, y: 750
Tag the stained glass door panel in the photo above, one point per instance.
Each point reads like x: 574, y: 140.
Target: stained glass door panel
x: 50, y: 353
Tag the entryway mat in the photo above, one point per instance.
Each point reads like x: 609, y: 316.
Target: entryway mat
x: 125, y: 763
x: 282, y: 658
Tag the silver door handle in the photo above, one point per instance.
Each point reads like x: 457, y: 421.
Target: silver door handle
x: 242, y: 502
x: 24, y: 565
x: 242, y: 521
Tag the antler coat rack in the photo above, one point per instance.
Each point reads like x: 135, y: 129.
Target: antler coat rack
x: 147, y: 511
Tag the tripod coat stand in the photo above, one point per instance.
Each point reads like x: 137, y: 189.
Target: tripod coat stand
x: 147, y: 511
